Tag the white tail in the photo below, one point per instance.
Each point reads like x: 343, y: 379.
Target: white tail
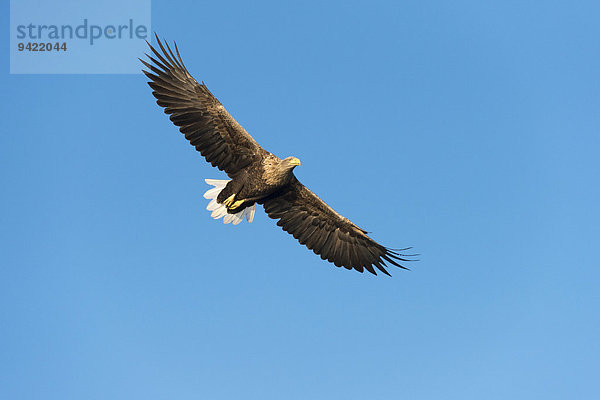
x: 219, y: 210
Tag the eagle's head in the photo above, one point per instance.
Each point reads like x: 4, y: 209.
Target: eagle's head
x: 291, y: 162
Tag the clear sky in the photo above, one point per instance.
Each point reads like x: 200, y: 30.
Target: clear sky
x: 469, y: 130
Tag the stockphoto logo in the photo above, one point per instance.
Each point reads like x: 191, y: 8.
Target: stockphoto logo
x: 85, y: 31
x: 75, y: 38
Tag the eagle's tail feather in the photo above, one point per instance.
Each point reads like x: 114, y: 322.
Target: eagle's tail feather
x: 219, y: 210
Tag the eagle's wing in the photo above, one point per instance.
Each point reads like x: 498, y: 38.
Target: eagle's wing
x: 335, y: 238
x: 201, y: 117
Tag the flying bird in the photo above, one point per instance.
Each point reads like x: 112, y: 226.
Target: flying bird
x: 257, y: 176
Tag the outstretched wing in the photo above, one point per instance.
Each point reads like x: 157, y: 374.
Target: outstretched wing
x: 335, y: 238
x: 201, y: 117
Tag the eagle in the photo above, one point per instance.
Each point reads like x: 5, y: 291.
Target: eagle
x: 256, y: 175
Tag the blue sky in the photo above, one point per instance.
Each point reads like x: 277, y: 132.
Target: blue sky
x: 469, y: 130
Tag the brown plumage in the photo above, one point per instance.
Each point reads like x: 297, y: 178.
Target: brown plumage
x: 257, y: 176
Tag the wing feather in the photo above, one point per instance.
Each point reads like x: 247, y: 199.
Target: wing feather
x: 313, y: 223
x: 198, y: 114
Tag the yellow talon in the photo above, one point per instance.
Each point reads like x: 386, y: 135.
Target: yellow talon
x: 236, y: 204
x: 229, y: 200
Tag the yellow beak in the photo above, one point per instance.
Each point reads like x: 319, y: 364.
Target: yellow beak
x: 294, y: 161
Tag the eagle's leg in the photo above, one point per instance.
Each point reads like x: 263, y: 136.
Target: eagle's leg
x: 229, y: 200
x: 236, y: 204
